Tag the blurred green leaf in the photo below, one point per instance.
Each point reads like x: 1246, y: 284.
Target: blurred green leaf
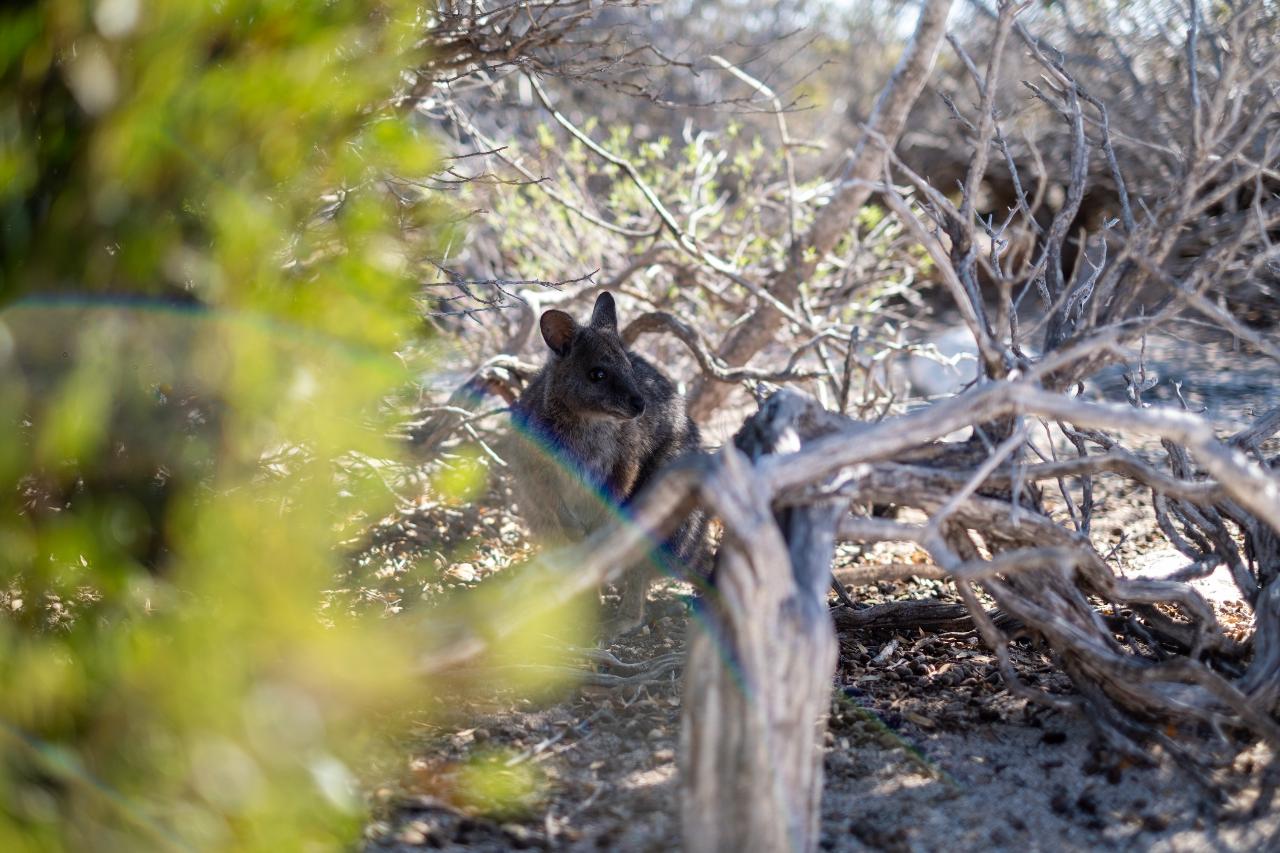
x: 203, y: 285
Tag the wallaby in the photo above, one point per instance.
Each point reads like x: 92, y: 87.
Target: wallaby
x: 593, y: 427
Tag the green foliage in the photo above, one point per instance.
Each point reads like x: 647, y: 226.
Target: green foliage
x: 203, y: 282
x: 495, y: 784
x: 870, y: 216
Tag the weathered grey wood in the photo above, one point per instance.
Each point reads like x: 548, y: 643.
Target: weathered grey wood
x: 501, y: 377
x: 758, y: 679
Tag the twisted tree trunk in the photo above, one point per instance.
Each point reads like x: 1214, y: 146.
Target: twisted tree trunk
x: 758, y: 680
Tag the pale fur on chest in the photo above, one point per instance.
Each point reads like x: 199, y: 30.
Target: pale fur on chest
x: 593, y: 450
x: 596, y: 445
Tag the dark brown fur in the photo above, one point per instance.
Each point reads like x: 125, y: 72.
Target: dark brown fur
x: 594, y: 426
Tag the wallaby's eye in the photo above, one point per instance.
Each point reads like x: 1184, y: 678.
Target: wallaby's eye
x: 596, y: 374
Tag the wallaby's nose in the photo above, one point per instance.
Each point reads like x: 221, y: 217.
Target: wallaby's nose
x: 637, y: 404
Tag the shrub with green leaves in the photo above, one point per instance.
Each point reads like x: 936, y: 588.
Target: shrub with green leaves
x: 204, y: 282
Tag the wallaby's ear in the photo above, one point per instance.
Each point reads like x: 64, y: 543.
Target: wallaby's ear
x: 557, y: 330
x: 604, y: 315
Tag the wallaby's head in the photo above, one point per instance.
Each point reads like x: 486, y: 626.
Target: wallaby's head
x: 589, y: 372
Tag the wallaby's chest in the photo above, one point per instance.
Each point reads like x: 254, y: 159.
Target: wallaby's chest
x: 596, y: 450
x: 581, y: 474
x: 601, y: 455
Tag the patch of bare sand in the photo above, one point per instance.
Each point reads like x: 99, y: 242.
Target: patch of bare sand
x: 1014, y: 787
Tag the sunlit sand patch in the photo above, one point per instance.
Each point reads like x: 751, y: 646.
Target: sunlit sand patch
x: 1164, y: 563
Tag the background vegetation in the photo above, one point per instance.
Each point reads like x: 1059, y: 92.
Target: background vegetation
x: 268, y: 273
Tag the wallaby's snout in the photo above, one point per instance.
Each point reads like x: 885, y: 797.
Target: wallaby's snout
x: 610, y: 388
x: 630, y: 404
